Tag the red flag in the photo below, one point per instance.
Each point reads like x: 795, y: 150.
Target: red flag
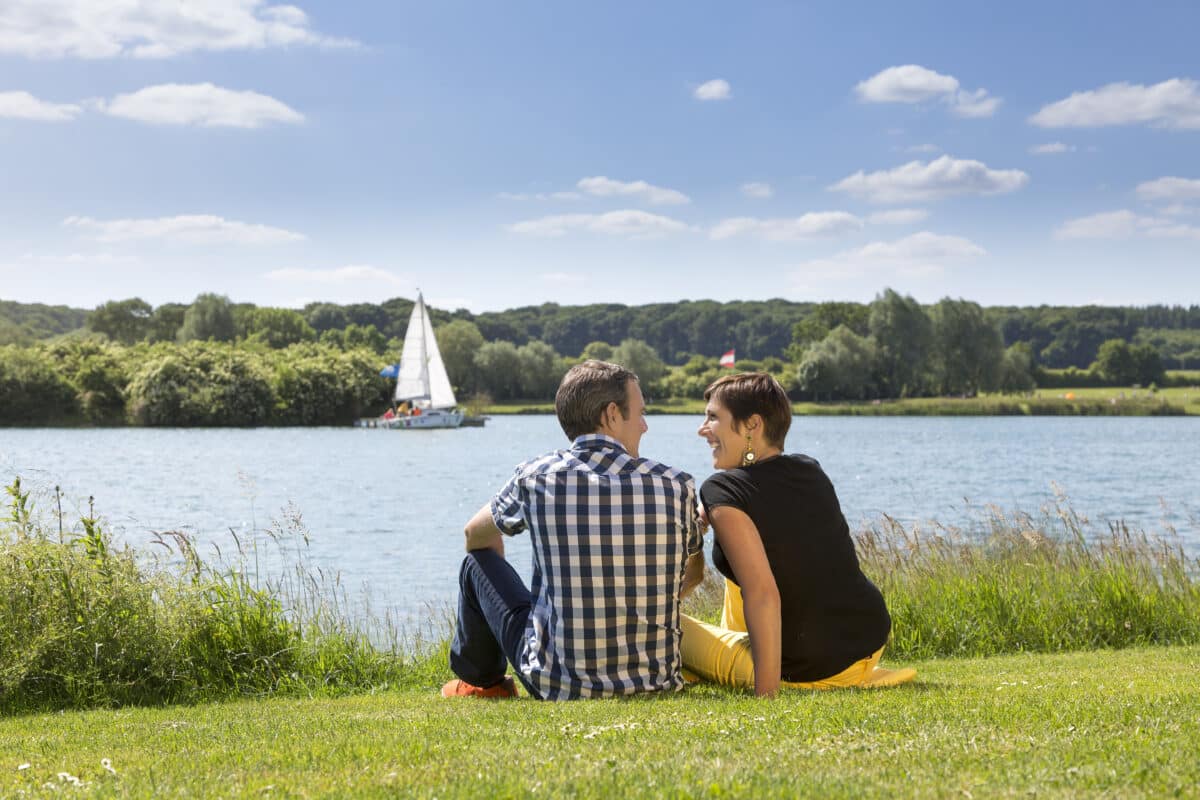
x: 727, y: 360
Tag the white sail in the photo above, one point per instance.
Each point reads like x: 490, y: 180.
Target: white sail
x: 422, y: 380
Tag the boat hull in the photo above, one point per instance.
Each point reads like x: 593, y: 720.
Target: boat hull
x: 423, y: 421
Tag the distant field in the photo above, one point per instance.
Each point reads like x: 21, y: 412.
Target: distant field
x: 1050, y: 402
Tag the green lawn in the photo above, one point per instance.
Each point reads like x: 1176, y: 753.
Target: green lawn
x: 1044, y: 401
x: 1104, y: 723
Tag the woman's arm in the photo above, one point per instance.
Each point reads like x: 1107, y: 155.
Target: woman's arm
x: 743, y: 549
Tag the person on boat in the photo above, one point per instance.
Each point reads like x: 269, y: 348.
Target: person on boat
x: 616, y: 540
x: 798, y: 611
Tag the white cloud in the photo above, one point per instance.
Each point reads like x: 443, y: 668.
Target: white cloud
x: 923, y: 148
x: 199, y: 104
x: 808, y: 226
x: 920, y: 254
x: 899, y: 216
x: 353, y: 273
x: 601, y: 186
x: 713, y: 90
x: 1108, y: 225
x: 1052, y: 148
x: 150, y: 28
x: 943, y: 177
x: 1170, y: 189
x: 1179, y: 210
x: 23, y: 105
x: 626, y: 222
x: 1124, y: 224
x: 190, y: 229
x: 912, y: 83
x: 759, y: 191
x: 1173, y: 103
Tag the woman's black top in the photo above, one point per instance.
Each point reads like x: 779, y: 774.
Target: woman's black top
x: 832, y: 614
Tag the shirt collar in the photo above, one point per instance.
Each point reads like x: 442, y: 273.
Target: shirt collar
x: 596, y: 441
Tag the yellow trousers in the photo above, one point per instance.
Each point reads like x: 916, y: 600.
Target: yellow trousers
x: 722, y: 654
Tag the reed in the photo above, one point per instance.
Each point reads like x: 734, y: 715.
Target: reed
x: 86, y: 623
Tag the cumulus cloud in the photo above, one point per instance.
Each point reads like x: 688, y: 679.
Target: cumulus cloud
x: 942, y: 177
x: 626, y: 222
x: 899, y: 216
x: 912, y: 83
x: 353, y: 273
x: 151, y: 28
x: 713, y: 90
x: 1173, y: 103
x: 601, y: 186
x: 808, y: 226
x: 1170, y: 189
x: 189, y: 229
x: 1124, y: 224
x: 759, y: 191
x: 200, y: 104
x: 23, y: 105
x: 1052, y: 148
x: 920, y: 254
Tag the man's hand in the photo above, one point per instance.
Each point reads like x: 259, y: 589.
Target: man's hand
x: 693, y: 574
x: 482, y: 533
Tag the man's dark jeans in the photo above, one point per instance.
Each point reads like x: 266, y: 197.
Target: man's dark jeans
x: 493, y: 605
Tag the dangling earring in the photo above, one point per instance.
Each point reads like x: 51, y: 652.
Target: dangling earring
x: 748, y: 456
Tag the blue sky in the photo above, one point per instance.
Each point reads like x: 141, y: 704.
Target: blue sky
x: 497, y: 155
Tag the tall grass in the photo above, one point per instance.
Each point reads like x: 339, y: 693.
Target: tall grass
x: 85, y: 623
x: 1016, y: 583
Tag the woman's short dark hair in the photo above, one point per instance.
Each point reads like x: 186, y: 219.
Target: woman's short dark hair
x: 586, y: 390
x: 749, y: 393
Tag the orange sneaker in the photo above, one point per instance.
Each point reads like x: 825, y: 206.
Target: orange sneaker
x: 460, y: 688
x: 882, y: 678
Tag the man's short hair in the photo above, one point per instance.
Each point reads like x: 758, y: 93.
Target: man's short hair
x: 749, y: 393
x: 586, y: 390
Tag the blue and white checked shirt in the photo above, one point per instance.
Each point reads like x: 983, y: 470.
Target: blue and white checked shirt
x: 611, y: 534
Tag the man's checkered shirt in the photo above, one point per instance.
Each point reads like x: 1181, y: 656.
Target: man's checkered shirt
x: 611, y: 534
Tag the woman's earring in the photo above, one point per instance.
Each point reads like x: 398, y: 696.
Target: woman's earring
x: 748, y: 456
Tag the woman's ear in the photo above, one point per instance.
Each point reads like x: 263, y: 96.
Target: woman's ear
x: 755, y: 423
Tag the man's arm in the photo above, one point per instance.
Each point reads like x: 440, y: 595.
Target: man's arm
x: 482, y: 533
x: 693, y: 574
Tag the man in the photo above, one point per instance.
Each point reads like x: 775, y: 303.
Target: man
x: 613, y: 535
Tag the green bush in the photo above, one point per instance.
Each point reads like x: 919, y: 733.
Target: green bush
x: 32, y: 391
x: 201, y: 384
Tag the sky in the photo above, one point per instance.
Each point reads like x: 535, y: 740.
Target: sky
x: 496, y: 155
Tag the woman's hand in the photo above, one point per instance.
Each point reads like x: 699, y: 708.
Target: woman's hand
x: 743, y: 548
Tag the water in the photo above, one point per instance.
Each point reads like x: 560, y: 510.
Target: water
x: 386, y: 508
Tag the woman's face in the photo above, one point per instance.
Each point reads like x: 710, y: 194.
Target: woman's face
x: 726, y: 443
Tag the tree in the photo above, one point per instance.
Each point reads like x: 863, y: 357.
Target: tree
x: 124, y: 321
x: 458, y: 342
x: 540, y: 370
x: 601, y: 351
x: 1016, y: 369
x: 498, y: 366
x: 209, y: 317
x: 842, y: 365
x: 642, y: 360
x: 278, y: 327
x: 1114, y: 361
x: 903, y: 333
x: 967, y: 348
x: 366, y: 336
x: 166, y: 322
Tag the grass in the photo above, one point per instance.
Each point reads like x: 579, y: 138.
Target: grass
x: 1174, y: 401
x: 1055, y: 659
x: 1095, y: 724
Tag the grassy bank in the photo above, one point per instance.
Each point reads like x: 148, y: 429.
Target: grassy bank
x: 1103, y: 723
x: 1096, y: 402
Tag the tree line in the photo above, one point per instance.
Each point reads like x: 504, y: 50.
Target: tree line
x: 1055, y: 337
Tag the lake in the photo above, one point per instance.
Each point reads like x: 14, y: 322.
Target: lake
x: 385, y: 509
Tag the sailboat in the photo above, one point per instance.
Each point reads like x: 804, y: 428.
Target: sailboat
x: 422, y: 382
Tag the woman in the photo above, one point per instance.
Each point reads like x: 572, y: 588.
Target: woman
x: 798, y: 610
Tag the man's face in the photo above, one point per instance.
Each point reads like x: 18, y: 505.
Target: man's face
x: 629, y: 431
